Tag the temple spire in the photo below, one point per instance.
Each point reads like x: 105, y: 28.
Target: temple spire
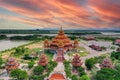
x: 61, y: 30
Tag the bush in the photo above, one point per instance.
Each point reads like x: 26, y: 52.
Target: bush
x: 36, y: 77
x: 38, y: 70
x: 50, y: 67
x: 117, y: 66
x: 107, y: 74
x: 1, y: 61
x: 30, y: 64
x: 115, y: 55
x: 18, y: 74
x: 74, y: 77
x: 90, y: 63
x: 81, y: 71
x: 84, y: 77
x: 67, y: 68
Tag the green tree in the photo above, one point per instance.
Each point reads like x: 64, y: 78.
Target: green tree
x: 30, y: 64
x: 115, y: 55
x: 107, y: 74
x: 38, y: 70
x: 84, y: 77
x: 74, y: 77
x: 81, y: 71
x: 37, y: 77
x: 117, y: 66
x: 67, y: 68
x: 1, y: 61
x: 90, y: 63
x: 19, y: 74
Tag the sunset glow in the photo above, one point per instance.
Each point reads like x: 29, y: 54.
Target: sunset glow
x: 82, y: 14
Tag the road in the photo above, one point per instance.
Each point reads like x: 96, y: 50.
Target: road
x: 92, y: 53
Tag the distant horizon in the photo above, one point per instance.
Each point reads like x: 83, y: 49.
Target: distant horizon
x: 59, y: 28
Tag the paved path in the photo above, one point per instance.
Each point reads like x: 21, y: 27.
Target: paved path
x: 59, y: 67
x: 92, y: 53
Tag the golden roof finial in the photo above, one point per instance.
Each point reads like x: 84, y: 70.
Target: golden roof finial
x: 61, y: 28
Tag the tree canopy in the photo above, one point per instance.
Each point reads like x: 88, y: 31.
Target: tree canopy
x: 107, y: 74
x: 19, y: 74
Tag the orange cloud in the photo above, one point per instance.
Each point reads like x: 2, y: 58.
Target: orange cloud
x: 77, y: 13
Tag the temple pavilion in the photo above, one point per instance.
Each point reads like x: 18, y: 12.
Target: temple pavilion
x: 11, y: 64
x: 76, y: 61
x: 106, y: 63
x: 61, y: 43
x: 43, y: 61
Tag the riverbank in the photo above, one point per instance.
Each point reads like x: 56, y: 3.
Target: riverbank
x: 7, y: 53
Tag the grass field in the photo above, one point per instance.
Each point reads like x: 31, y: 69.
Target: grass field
x: 81, y: 51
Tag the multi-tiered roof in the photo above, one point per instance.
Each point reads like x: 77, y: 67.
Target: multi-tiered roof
x: 106, y: 63
x: 76, y: 61
x: 61, y: 40
x: 11, y: 64
x: 43, y: 60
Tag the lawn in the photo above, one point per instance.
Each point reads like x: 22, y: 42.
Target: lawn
x: 81, y: 50
x: 49, y: 54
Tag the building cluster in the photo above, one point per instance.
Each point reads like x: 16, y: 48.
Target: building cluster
x: 60, y: 44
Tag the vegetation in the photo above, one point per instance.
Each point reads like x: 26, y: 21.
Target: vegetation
x: 20, y: 51
x: 30, y: 64
x: 107, y: 74
x: 115, y: 55
x: 74, y: 77
x: 3, y: 37
x: 49, y: 54
x: 1, y: 62
x: 117, y: 66
x: 36, y: 77
x: 67, y: 68
x: 81, y: 71
x: 50, y: 67
x: 19, y: 74
x: 90, y: 63
x: 81, y: 51
x: 38, y: 70
x: 84, y: 77
x: 107, y: 38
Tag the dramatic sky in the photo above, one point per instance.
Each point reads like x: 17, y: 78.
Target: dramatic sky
x: 84, y: 14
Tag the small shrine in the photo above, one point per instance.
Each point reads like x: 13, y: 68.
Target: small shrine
x: 76, y: 44
x: 11, y: 64
x: 76, y: 61
x: 43, y: 61
x: 46, y: 43
x: 106, y: 63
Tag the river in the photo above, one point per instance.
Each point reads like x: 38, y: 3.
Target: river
x: 8, y: 44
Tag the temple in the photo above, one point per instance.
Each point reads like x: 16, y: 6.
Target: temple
x: 43, y: 60
x: 11, y: 64
x: 76, y: 61
x: 106, y: 64
x: 60, y: 44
